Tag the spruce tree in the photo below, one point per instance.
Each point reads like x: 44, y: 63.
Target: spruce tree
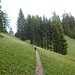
x: 59, y: 42
x: 68, y: 23
x: 4, y: 21
x: 29, y: 29
x: 1, y: 15
x: 40, y: 32
x: 21, y: 26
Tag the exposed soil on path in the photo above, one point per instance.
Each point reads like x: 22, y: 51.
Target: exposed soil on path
x: 38, y: 68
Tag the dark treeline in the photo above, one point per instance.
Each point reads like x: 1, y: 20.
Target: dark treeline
x: 43, y: 32
x: 68, y: 23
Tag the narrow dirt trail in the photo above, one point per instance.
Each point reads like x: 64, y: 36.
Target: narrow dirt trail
x: 38, y: 68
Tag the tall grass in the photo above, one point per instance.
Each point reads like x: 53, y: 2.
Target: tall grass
x: 16, y: 57
x: 56, y: 64
x: 71, y: 47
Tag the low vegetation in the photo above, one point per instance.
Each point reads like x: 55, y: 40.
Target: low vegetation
x: 1, y: 35
x: 56, y: 64
x: 16, y: 57
x: 71, y: 47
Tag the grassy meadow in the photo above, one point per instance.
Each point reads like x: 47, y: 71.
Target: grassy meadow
x: 16, y: 57
x: 56, y: 64
x: 71, y: 47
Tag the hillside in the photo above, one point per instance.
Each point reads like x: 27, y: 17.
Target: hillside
x: 56, y: 64
x: 71, y: 47
x: 16, y: 57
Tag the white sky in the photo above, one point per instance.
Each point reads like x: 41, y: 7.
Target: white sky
x: 36, y: 7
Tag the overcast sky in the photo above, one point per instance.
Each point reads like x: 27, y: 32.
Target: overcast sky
x: 36, y: 7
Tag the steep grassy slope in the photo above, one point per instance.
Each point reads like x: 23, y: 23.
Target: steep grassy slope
x: 71, y: 46
x: 56, y: 64
x: 16, y: 57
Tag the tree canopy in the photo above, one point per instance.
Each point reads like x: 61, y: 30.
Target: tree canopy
x: 4, y: 21
x: 43, y: 32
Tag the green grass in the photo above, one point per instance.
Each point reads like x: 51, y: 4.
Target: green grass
x: 16, y: 57
x: 71, y: 47
x: 27, y: 41
x: 56, y: 64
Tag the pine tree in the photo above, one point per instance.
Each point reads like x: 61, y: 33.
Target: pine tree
x: 1, y: 15
x: 29, y: 29
x: 59, y: 43
x: 21, y: 26
x: 50, y: 37
x: 44, y: 32
x: 36, y: 27
x: 4, y: 21
x: 68, y: 24
x: 40, y: 32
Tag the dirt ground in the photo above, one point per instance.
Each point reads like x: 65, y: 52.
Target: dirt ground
x: 38, y: 68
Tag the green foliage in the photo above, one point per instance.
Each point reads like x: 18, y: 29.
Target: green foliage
x: 42, y: 32
x: 1, y: 23
x: 59, y: 42
x: 37, y: 30
x: 29, y: 29
x: 56, y: 64
x: 21, y: 25
x: 68, y: 23
x: 16, y: 57
x: 4, y: 21
x: 28, y: 41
